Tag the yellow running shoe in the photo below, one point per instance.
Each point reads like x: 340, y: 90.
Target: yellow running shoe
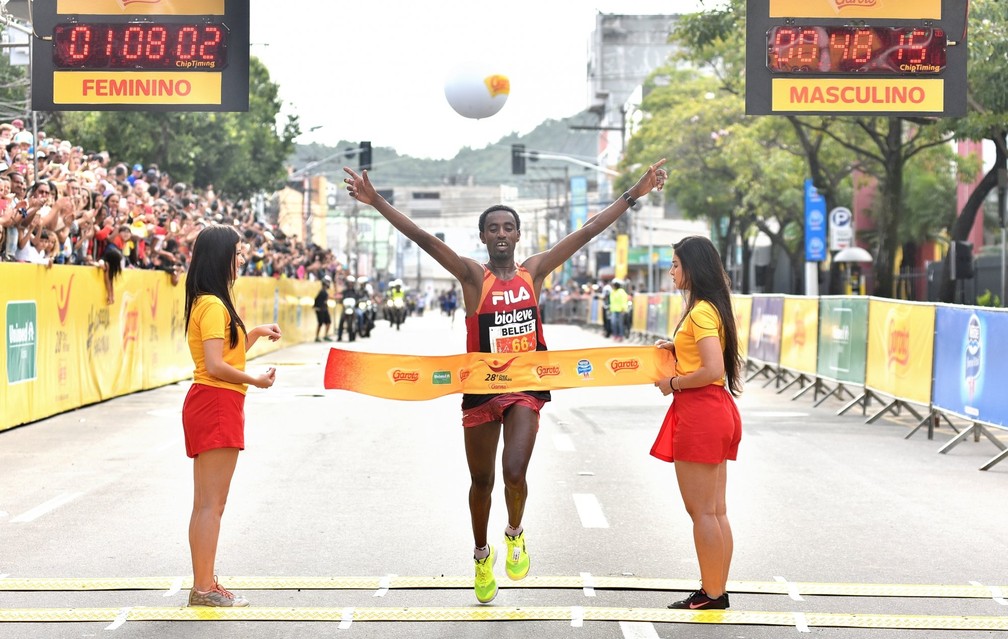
x: 516, y: 565
x: 486, y: 585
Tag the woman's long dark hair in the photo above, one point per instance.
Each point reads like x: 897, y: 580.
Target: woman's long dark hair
x: 708, y: 281
x: 212, y: 272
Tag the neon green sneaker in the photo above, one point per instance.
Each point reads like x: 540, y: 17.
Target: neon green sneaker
x: 486, y: 585
x: 516, y: 565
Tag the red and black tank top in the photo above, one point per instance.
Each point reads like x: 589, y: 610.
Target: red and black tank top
x: 507, y: 320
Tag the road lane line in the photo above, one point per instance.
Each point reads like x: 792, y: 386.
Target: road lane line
x: 384, y: 585
x: 577, y: 616
x: 590, y: 511
x: 589, y: 584
x: 638, y: 630
x: 800, y: 622
x: 119, y: 620
x: 995, y: 593
x: 792, y: 588
x: 42, y: 509
x: 346, y: 619
x: 175, y: 588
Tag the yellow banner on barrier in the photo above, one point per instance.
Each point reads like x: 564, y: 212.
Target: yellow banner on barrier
x: 66, y: 348
x: 895, y: 331
x: 800, y: 334
x: 742, y: 304
x: 416, y: 377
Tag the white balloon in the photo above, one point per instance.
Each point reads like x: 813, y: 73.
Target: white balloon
x: 477, y: 92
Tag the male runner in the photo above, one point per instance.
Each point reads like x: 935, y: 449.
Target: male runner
x: 502, y: 316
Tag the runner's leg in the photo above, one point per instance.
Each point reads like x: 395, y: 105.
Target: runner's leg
x: 521, y: 424
x: 481, y: 455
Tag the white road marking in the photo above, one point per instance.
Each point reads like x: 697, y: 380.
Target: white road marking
x: 791, y: 587
x: 563, y: 442
x: 346, y: 618
x: 175, y: 587
x: 638, y: 630
x: 589, y: 584
x: 995, y: 593
x: 383, y: 586
x: 577, y: 616
x: 42, y: 509
x: 119, y: 620
x: 800, y: 622
x: 590, y: 511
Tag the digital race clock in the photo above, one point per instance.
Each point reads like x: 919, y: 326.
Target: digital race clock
x: 860, y: 50
x: 140, y: 46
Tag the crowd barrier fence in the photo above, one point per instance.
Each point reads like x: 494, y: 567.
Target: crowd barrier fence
x: 66, y: 348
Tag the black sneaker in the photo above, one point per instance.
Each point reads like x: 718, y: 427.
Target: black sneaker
x: 700, y: 601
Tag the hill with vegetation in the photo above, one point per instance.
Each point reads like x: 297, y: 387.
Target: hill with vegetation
x: 485, y: 166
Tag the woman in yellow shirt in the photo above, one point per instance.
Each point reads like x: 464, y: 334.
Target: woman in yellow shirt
x: 702, y: 428
x: 213, y: 415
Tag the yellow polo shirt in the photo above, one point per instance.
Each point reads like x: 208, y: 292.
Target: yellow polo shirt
x: 702, y: 321
x: 209, y: 319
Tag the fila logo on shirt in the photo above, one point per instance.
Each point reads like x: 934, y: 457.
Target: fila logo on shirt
x: 510, y: 297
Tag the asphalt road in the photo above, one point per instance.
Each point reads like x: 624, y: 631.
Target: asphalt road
x: 348, y: 490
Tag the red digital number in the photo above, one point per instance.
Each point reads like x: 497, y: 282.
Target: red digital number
x: 140, y: 45
x: 873, y: 50
x: 913, y: 46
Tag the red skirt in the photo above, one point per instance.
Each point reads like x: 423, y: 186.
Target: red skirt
x: 702, y: 425
x: 213, y: 417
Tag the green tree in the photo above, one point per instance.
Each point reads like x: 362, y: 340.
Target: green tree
x: 239, y: 153
x: 987, y: 118
x: 880, y: 147
x: 14, y: 84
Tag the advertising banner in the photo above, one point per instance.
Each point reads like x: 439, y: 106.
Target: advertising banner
x: 743, y: 312
x: 765, y: 328
x: 65, y: 347
x: 900, y: 349
x: 674, y: 313
x: 657, y: 313
x: 968, y: 376
x: 843, y: 339
x: 639, y: 313
x: 799, y: 331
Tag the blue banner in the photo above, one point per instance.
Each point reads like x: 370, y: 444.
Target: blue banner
x: 969, y: 370
x: 578, y: 201
x: 815, y: 224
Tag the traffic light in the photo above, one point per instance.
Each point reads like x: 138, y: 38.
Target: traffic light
x: 365, y: 156
x: 518, y: 159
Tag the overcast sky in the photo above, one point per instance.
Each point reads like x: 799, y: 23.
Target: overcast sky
x: 375, y: 70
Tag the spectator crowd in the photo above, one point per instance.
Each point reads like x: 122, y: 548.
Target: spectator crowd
x: 62, y: 205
